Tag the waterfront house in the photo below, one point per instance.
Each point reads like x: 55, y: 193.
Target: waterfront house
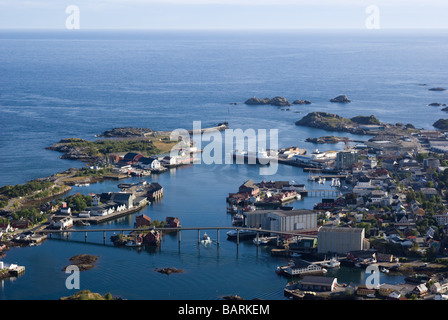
x: 318, y: 283
x: 249, y: 187
x: 130, y: 158
x: 154, y: 191
x: 101, y: 210
x: 124, y: 198
x: 172, y: 222
x: 149, y: 163
x: 64, y: 223
x: 142, y: 221
x: 153, y: 237
x: 140, y: 201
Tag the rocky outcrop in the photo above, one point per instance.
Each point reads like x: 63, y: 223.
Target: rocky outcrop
x: 441, y: 124
x: 330, y: 122
x: 326, y: 139
x: 127, y: 132
x: 83, y: 262
x: 302, y: 102
x: 341, y: 99
x: 276, y: 101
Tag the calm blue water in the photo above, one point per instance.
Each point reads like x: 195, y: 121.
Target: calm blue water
x: 55, y: 85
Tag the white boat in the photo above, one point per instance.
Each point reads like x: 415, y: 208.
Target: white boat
x: 133, y: 243
x: 261, y: 241
x: 232, y: 234
x: 332, y: 263
x: 206, y: 239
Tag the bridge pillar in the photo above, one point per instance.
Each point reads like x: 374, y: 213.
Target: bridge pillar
x: 217, y: 236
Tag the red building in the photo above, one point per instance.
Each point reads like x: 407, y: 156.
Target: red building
x: 142, y: 221
x: 172, y: 222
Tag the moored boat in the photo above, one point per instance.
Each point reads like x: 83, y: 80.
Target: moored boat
x: 243, y: 233
x: 332, y: 263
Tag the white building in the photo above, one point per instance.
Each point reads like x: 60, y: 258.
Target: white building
x: 64, y: 223
x: 282, y: 220
x: 340, y: 240
x: 149, y: 163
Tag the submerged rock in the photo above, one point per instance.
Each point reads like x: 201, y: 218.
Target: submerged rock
x: 437, y: 104
x: 169, y: 270
x: 437, y: 89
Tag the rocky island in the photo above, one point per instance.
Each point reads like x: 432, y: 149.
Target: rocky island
x: 441, y: 124
x: 276, y: 101
x: 302, y: 102
x: 334, y: 122
x: 83, y: 261
x: 341, y: 99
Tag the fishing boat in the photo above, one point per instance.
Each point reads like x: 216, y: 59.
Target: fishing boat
x: 332, y: 263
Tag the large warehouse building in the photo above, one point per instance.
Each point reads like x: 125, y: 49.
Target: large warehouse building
x: 282, y: 220
x: 341, y: 240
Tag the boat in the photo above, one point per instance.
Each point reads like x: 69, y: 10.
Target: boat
x: 332, y: 263
x: 206, y: 239
x: 238, y: 219
x: 233, y: 234
x: 280, y: 269
x: 295, y: 255
x: 133, y: 243
x: 311, y: 269
x: 384, y: 270
x: 261, y: 241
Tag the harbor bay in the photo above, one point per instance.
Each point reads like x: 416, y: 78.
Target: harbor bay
x: 195, y: 194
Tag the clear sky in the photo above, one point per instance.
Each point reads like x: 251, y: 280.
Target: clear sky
x: 224, y: 14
